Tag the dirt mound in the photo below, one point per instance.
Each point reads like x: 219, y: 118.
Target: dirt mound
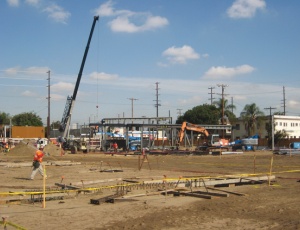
x: 52, y: 149
x: 27, y: 148
x: 23, y: 148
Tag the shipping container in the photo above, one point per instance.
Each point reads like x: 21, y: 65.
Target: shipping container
x: 28, y: 132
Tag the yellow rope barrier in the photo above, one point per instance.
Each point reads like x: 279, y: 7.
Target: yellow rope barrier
x: 140, y: 183
x: 5, y: 223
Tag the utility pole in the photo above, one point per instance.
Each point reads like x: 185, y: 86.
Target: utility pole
x: 211, y: 95
x: 132, y: 99
x: 232, y: 104
x: 283, y: 101
x: 157, y: 104
x: 48, y: 118
x: 271, y: 125
x: 223, y: 88
x: 270, y: 108
x: 179, y: 112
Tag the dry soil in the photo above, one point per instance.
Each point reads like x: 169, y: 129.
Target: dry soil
x: 262, y: 206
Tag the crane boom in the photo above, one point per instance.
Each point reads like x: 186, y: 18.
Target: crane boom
x: 66, y: 119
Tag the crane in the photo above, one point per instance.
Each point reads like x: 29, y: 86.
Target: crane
x: 66, y: 119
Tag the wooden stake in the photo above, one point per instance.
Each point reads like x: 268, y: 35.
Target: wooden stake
x: 44, y: 188
x: 254, y: 164
x: 271, y: 166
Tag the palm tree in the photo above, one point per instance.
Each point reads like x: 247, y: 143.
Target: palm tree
x: 250, y: 115
x: 228, y: 108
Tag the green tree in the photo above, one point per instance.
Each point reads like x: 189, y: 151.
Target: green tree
x: 228, y: 108
x: 30, y: 119
x: 202, y: 114
x: 278, y: 135
x: 250, y: 116
x: 279, y: 113
x: 4, y: 118
x: 55, y: 125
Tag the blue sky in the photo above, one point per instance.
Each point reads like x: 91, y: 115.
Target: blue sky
x: 252, y: 46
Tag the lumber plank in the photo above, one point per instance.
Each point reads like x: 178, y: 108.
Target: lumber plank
x: 233, y: 193
x: 197, y: 195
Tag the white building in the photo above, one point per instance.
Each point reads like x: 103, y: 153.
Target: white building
x: 291, y: 124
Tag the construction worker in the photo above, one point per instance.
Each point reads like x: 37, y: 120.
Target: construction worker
x: 6, y: 147
x: 37, y: 163
x: 115, y: 147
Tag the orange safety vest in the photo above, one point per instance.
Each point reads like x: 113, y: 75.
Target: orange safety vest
x: 38, y: 156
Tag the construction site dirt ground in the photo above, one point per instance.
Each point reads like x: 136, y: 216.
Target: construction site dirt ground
x: 268, y: 205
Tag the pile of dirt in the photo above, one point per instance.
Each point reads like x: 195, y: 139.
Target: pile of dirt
x: 23, y: 148
x: 28, y: 148
x: 52, y: 150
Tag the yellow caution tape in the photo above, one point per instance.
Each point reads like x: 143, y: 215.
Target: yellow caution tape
x: 12, y: 224
x: 140, y: 183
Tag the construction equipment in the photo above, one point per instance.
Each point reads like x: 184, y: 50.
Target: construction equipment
x: 214, y: 142
x: 246, y: 144
x: 66, y: 119
x: 75, y: 145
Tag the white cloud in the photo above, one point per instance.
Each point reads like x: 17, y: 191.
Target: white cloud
x: 13, y: 3
x: 62, y: 87
x: 154, y: 22
x: 32, y: 2
x: 161, y: 64
x: 103, y: 76
x: 129, y: 21
x: 105, y: 10
x: 293, y: 104
x: 57, y: 97
x: 28, y: 93
x: 13, y: 70
x: 57, y: 13
x: 221, y: 72
x: 122, y: 24
x: 36, y: 70
x: 245, y: 8
x: 27, y: 71
x: 191, y: 100
x: 180, y: 55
